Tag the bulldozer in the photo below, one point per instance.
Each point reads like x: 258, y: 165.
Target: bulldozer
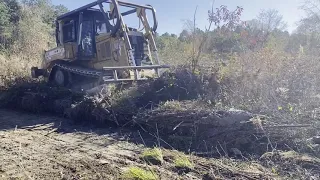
x: 95, y: 46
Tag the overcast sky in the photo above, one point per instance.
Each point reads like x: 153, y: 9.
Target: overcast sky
x: 171, y: 13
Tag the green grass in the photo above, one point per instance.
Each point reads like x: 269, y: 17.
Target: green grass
x: 153, y: 156
x: 183, y: 162
x: 135, y: 173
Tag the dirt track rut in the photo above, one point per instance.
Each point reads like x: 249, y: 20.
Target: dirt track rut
x: 41, y: 147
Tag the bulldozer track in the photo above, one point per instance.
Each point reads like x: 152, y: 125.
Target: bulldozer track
x: 80, y: 71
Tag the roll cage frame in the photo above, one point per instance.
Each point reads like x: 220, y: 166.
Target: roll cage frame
x: 114, y: 13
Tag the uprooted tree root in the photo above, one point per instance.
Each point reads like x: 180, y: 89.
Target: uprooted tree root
x: 187, y: 123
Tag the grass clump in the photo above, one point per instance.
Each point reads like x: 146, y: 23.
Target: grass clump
x: 136, y: 173
x: 170, y: 105
x: 183, y: 163
x: 153, y: 156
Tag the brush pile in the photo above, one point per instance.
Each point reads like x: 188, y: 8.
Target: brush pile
x: 192, y: 124
x: 200, y: 127
x: 38, y: 97
x: 172, y: 107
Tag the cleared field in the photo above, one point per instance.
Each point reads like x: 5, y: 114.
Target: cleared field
x: 45, y: 147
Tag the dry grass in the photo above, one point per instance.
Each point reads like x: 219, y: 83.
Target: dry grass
x: 272, y: 82
x: 15, y: 67
x: 33, y: 37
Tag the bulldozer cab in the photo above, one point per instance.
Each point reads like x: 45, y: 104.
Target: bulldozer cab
x: 91, y: 26
x: 80, y: 28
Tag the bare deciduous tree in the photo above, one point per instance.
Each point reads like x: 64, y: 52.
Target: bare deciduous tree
x: 270, y: 20
x: 267, y: 21
x: 222, y: 18
x: 311, y: 23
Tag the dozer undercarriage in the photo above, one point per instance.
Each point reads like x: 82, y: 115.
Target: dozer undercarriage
x: 95, y: 47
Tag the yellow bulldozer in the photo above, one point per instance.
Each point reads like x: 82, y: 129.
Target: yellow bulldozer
x: 96, y: 45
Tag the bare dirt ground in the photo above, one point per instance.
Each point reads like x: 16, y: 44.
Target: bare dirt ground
x: 39, y: 149
x: 46, y: 147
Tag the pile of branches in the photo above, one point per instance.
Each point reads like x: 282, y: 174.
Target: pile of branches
x: 123, y: 105
x: 199, y: 127
x: 119, y: 108
x: 37, y: 97
x: 171, y: 108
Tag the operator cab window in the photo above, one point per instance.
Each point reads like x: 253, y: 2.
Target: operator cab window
x: 69, y: 34
x: 87, y: 38
x: 101, y: 27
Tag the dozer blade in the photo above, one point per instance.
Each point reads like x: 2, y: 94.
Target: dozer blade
x: 106, y: 81
x: 136, y: 72
x: 109, y: 77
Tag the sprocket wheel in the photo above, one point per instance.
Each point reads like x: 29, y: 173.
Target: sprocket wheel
x: 60, y: 77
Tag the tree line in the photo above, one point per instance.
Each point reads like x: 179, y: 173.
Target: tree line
x: 24, y: 21
x: 230, y: 35
x: 15, y: 15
